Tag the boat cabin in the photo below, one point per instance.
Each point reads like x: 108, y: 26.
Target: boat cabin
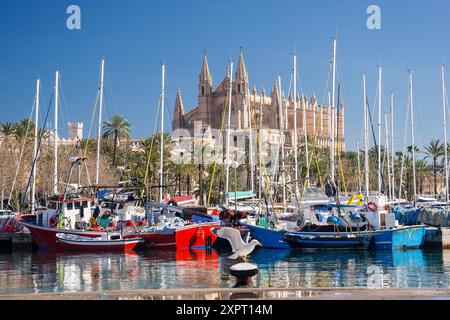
x: 75, y: 213
x: 123, y: 210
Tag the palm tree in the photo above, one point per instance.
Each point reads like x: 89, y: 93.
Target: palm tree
x: 116, y: 128
x: 23, y: 129
x: 7, y: 129
x: 410, y: 149
x: 423, y: 173
x: 434, y: 150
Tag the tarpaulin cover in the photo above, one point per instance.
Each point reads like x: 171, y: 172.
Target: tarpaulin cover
x: 429, y: 216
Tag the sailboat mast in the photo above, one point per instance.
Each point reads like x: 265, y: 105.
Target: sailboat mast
x: 227, y: 161
x: 55, y: 136
x: 444, y: 108
x: 260, y: 147
x: 161, y: 152
x: 379, y: 130
x: 295, y: 127
x: 386, y: 124
x: 305, y: 134
x: 332, y: 152
x: 36, y: 126
x: 366, y: 137
x: 99, y: 132
x: 282, y: 141
x: 392, y: 147
x: 412, y: 135
x: 359, y: 168
x: 250, y: 146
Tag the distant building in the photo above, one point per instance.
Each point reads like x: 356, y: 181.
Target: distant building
x: 135, y: 145
x: 212, y: 104
x: 75, y: 131
x: 74, y: 134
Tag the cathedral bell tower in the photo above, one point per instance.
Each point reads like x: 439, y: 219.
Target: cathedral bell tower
x: 241, y: 91
x: 205, y: 93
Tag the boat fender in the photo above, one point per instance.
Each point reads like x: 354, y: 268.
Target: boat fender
x: 131, y: 224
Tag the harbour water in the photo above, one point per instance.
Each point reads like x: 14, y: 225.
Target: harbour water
x: 25, y: 272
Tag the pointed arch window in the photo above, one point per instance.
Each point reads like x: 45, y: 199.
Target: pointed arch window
x: 203, y: 90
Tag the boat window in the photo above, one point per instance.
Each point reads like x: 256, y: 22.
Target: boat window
x: 69, y: 206
x: 121, y: 206
x: 85, y: 204
x: 52, y: 205
x: 77, y: 205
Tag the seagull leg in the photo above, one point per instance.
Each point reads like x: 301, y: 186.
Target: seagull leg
x: 244, y: 258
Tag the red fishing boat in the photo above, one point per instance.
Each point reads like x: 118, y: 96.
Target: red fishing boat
x: 69, y: 216
x: 196, y: 235
x: 105, y: 243
x: 45, y: 237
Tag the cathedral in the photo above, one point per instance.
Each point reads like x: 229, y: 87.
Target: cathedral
x: 273, y: 112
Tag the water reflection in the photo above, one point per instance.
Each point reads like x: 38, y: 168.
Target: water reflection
x: 46, y: 272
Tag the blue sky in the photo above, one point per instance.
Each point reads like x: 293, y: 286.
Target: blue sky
x: 136, y: 36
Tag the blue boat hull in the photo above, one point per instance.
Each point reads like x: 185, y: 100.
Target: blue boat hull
x: 401, y: 238
x: 327, y: 240
x: 270, y: 239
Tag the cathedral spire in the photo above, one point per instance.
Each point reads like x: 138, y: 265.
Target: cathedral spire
x: 178, y: 119
x: 178, y: 114
x: 205, y: 81
x: 205, y: 75
x: 179, y: 103
x: 241, y: 71
x: 274, y: 93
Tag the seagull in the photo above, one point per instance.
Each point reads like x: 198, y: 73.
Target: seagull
x: 240, y: 248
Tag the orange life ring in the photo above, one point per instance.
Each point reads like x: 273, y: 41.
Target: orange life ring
x: 52, y: 221
x: 372, y: 206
